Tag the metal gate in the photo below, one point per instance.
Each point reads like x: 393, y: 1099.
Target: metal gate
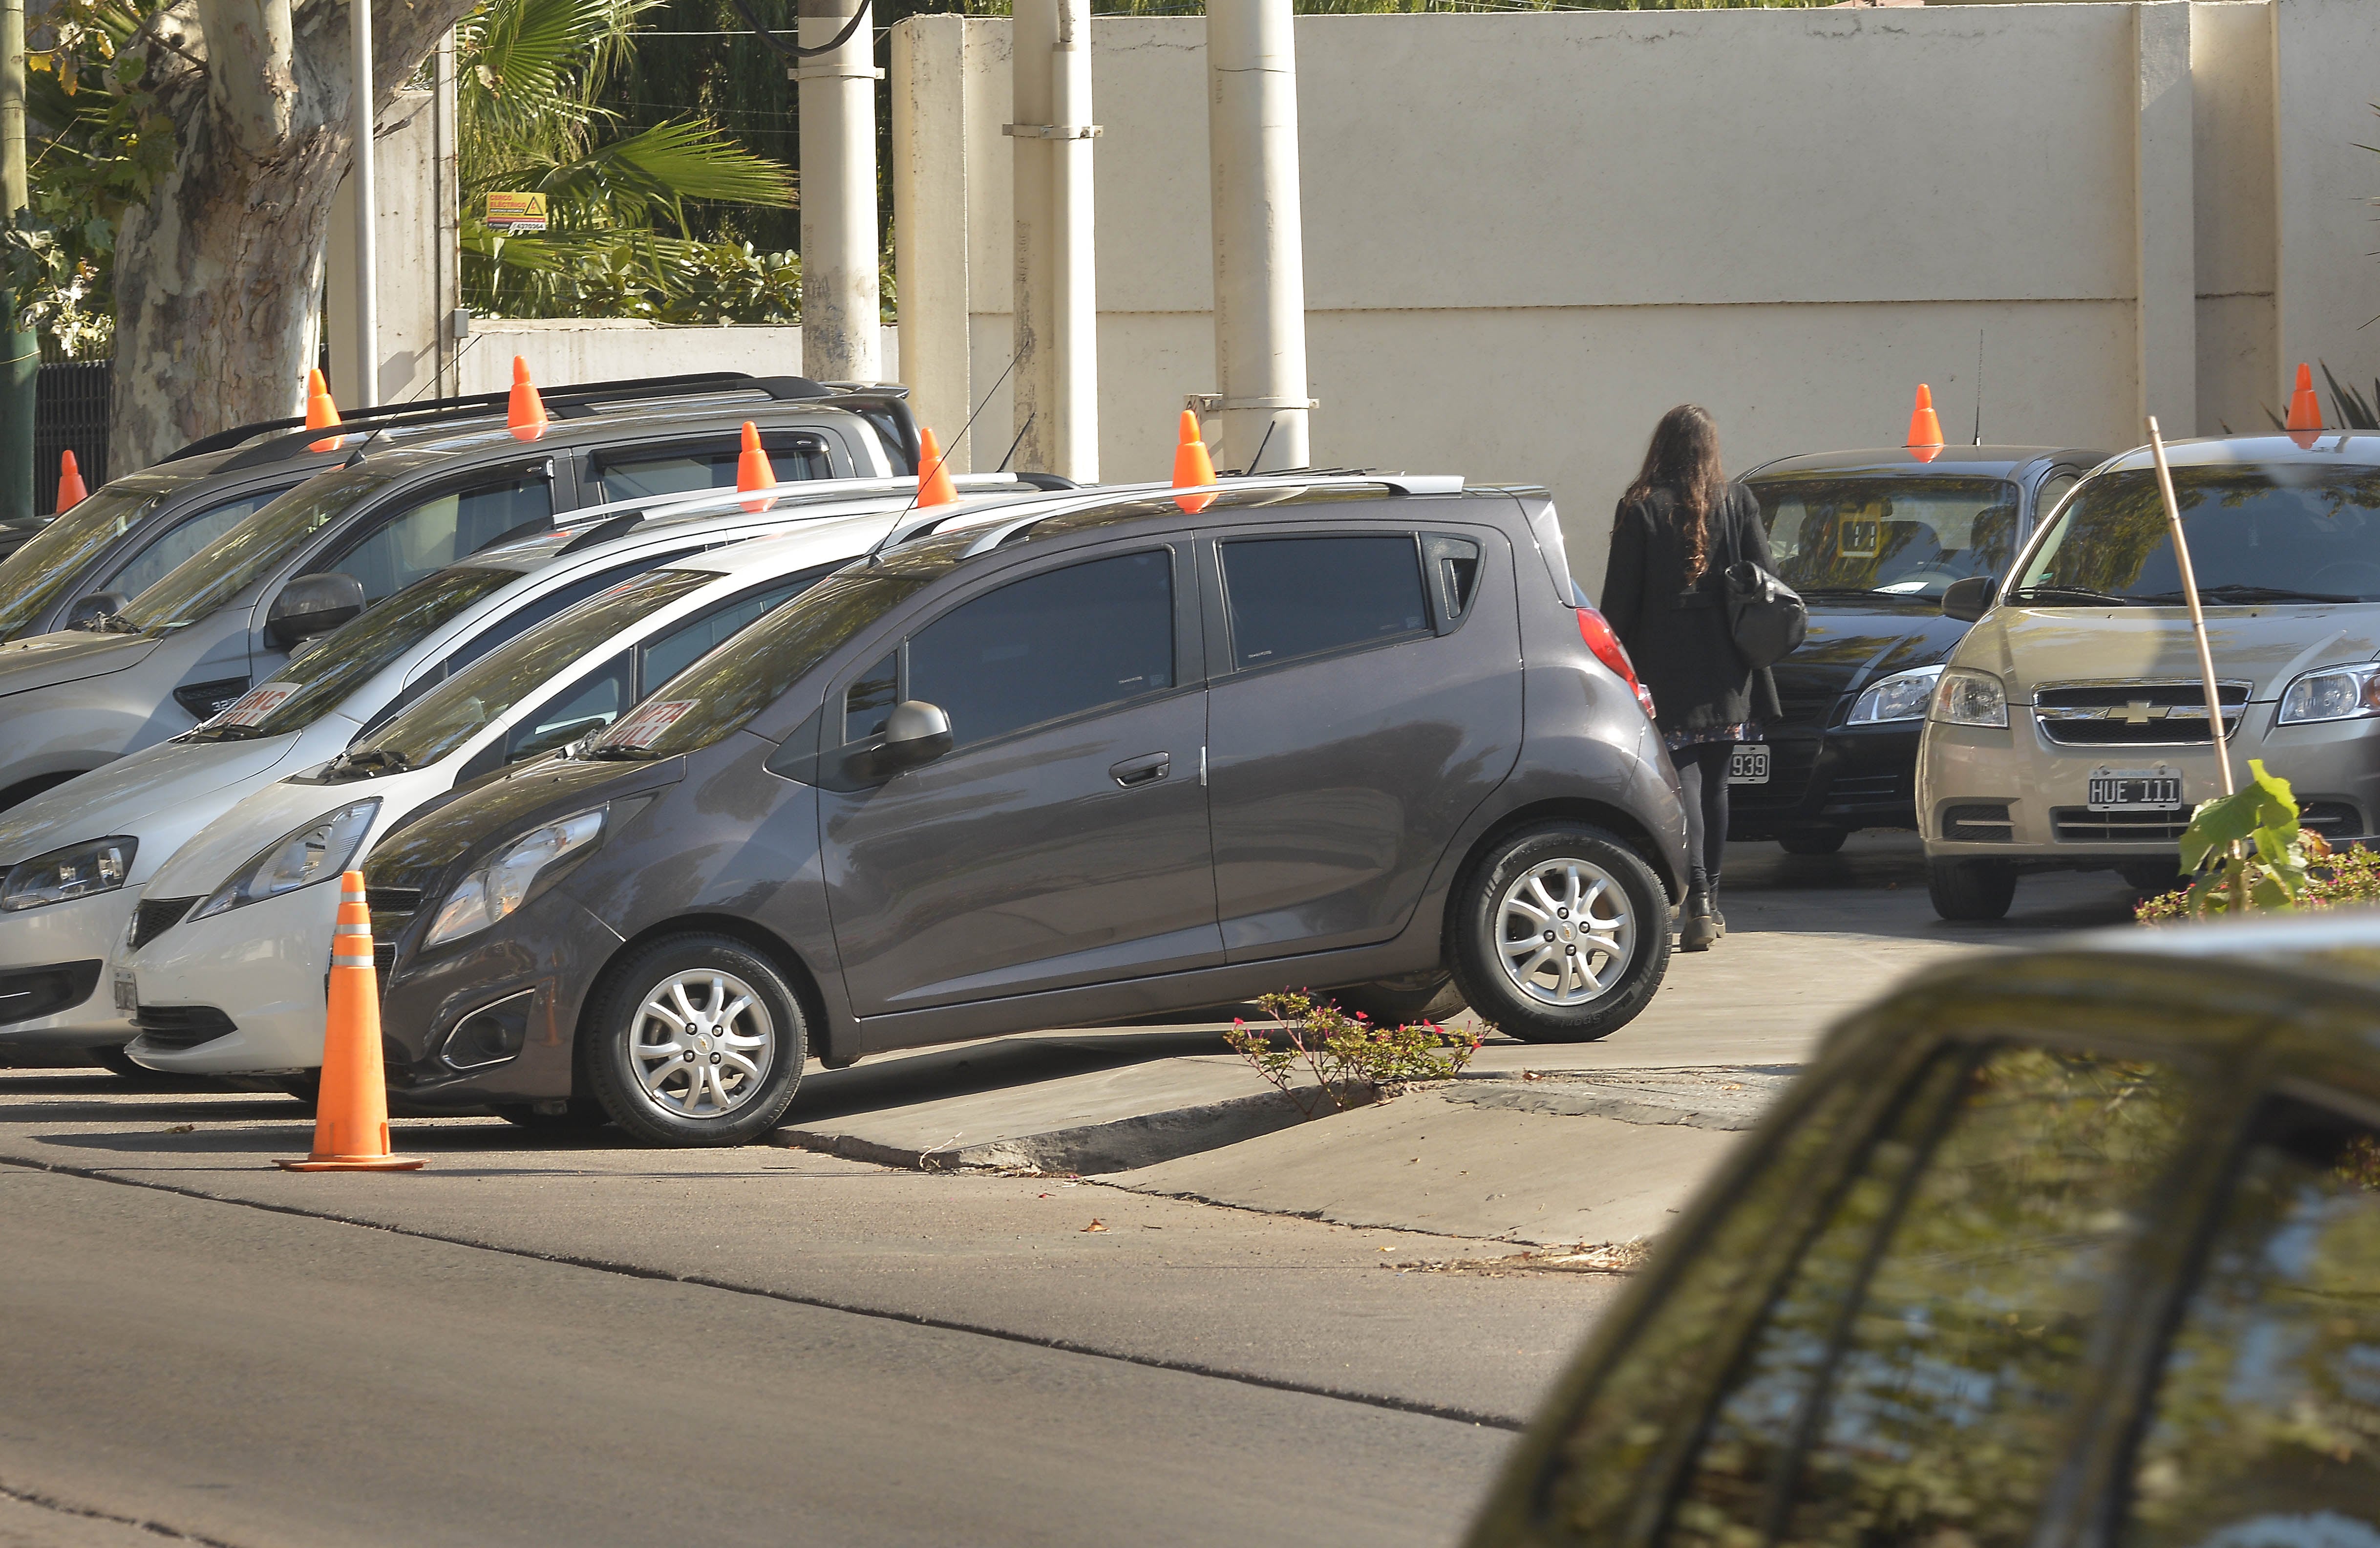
x: 71, y: 412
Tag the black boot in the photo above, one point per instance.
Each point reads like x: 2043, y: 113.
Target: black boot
x: 1698, y: 929
x: 1716, y: 918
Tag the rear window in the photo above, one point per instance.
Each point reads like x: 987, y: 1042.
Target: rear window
x: 1292, y: 597
x: 1893, y: 536
x: 642, y: 475
x: 2284, y: 532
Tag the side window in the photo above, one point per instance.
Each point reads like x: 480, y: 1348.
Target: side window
x: 1913, y: 1380
x: 2053, y: 489
x: 145, y: 569
x: 633, y: 475
x: 1056, y: 644
x: 869, y: 701
x: 441, y: 530
x: 2266, y: 1423
x: 544, y: 607
x: 587, y: 706
x: 1292, y: 597
x: 672, y: 654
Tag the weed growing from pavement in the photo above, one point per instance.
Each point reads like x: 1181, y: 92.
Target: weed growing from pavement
x: 1352, y: 1061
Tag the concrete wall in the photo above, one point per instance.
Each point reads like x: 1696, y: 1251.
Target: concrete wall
x: 569, y: 350
x: 1528, y: 235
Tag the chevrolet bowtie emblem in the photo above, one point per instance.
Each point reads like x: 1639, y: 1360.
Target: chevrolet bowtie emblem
x: 2140, y: 712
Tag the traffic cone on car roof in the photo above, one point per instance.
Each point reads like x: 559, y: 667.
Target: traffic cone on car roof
x: 351, y: 1112
x: 1925, y: 426
x: 1192, y: 468
x: 70, y: 489
x: 934, y: 485
x: 526, y: 416
x: 752, y: 468
x: 2305, y: 409
x: 320, y: 412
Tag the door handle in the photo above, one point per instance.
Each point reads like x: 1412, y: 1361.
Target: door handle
x: 1146, y: 768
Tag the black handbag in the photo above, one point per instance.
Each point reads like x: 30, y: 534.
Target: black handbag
x: 1765, y: 617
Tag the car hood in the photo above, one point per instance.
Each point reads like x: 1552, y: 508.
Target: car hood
x: 47, y: 660
x: 128, y: 795
x: 223, y: 845
x: 515, y: 803
x: 1848, y: 647
x: 2266, y: 646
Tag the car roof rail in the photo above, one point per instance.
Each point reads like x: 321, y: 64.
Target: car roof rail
x: 1397, y: 483
x: 575, y: 400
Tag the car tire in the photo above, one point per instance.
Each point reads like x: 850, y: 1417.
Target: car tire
x: 584, y: 1115
x: 1400, y: 1002
x: 1812, y: 841
x: 671, y: 1081
x: 306, y: 1087
x: 1533, y: 996
x: 1971, y: 890
x: 2151, y: 877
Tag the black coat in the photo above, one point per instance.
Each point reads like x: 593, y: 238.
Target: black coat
x: 1677, y: 633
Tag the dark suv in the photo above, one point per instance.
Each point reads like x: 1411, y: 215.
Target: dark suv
x: 1103, y: 761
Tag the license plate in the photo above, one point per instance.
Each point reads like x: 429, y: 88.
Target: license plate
x: 2157, y: 789
x: 1749, y: 764
x: 128, y: 993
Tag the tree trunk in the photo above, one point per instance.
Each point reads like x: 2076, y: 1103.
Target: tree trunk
x: 219, y: 277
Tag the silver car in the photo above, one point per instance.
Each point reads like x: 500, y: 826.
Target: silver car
x: 2070, y: 729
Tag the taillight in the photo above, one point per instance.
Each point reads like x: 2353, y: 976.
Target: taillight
x: 1612, y: 654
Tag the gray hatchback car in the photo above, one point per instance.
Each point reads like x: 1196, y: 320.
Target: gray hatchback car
x: 1108, y: 760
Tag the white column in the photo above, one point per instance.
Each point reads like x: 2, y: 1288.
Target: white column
x: 1259, y: 235
x: 1057, y: 300
x: 2165, y: 220
x: 837, y: 97
x: 930, y: 232
x: 367, y: 335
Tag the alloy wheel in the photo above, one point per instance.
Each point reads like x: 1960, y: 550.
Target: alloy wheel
x: 1564, y: 931
x: 703, y: 1042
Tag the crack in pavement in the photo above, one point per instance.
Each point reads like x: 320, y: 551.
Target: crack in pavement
x: 87, y: 1513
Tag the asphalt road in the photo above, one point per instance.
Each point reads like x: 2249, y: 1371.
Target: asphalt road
x: 534, y: 1342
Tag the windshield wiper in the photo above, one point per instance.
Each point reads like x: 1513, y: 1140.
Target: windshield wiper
x: 2253, y: 593
x: 231, y: 731
x: 379, y: 761
x: 618, y: 754
x: 109, y: 623
x: 2072, y: 593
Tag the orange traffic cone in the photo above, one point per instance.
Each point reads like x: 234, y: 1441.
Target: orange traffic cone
x: 752, y: 468
x: 320, y: 412
x: 1192, y: 468
x: 525, y: 417
x: 70, y: 489
x: 934, y: 485
x: 2305, y: 409
x: 1924, y: 427
x: 351, y: 1112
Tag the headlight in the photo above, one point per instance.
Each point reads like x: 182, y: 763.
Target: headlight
x: 1966, y: 698
x: 1903, y: 696
x: 62, y: 876
x: 2333, y: 693
x: 317, y: 852
x: 495, y: 890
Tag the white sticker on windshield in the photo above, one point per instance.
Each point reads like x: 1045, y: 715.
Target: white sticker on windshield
x: 250, y: 708
x: 645, y: 727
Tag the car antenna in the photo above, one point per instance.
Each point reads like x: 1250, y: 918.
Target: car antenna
x: 878, y: 546
x: 1019, y: 441
x: 1979, y: 387
x: 1250, y: 470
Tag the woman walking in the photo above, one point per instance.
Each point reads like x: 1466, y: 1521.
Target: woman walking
x: 1678, y: 527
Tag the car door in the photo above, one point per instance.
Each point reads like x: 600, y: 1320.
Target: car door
x: 424, y: 531
x: 1367, y: 699
x: 1062, y: 840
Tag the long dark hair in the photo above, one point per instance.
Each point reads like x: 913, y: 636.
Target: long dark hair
x: 1683, y: 459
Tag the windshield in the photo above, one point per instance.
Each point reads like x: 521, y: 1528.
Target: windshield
x: 1899, y: 537
x: 719, y: 693
x: 312, y: 684
x: 443, y: 719
x: 2289, y: 531
x: 53, y: 559
x: 228, y: 565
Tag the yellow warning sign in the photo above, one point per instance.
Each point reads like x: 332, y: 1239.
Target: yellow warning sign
x: 512, y: 214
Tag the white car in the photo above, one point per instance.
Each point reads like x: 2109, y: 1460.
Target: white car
x: 74, y: 860
x: 226, y: 966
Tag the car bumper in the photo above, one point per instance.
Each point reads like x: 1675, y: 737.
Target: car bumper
x: 1846, y: 777
x: 52, y: 963
x: 2333, y: 768
x: 263, y: 969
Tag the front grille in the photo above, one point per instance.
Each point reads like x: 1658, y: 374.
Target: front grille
x: 384, y: 959
x: 180, y: 1027
x: 2133, y: 715
x: 26, y: 993
x: 1979, y: 823
x: 2080, y: 824
x: 2334, y: 820
x: 155, y: 916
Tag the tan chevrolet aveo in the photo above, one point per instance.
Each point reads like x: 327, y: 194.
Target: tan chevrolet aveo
x: 2069, y: 730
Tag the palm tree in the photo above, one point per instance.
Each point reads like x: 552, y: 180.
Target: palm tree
x: 528, y: 76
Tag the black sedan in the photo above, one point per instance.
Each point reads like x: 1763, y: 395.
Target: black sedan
x: 1871, y: 540
x: 2081, y: 1249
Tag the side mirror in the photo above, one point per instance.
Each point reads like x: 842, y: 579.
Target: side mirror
x: 915, y: 732
x: 99, y: 604
x: 1970, y: 599
x: 312, y: 604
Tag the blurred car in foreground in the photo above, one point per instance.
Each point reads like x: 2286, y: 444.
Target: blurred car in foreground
x: 2080, y: 1247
